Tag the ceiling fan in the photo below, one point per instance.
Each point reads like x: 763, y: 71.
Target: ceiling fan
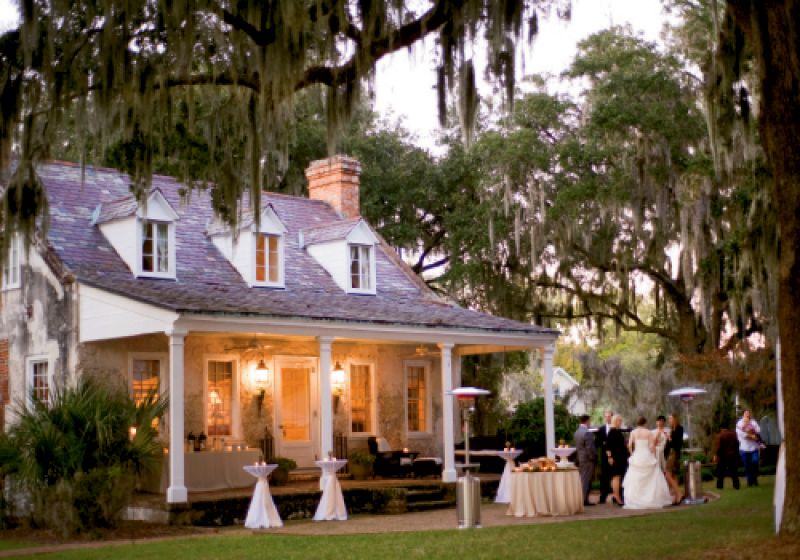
x: 252, y: 345
x: 423, y: 351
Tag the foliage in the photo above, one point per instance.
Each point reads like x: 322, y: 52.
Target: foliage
x: 284, y: 463
x: 358, y: 457
x: 74, y: 458
x: 525, y: 428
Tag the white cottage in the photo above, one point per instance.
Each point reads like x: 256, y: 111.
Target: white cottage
x: 305, y: 325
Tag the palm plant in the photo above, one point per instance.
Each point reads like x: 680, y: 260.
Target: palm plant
x: 74, y: 458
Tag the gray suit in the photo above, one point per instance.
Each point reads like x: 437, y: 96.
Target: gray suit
x: 587, y: 456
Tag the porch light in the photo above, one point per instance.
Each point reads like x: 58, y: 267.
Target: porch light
x: 260, y: 380
x: 337, y: 380
x: 132, y: 433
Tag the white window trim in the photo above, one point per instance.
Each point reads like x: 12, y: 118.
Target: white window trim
x: 281, y: 261
x: 16, y: 246
x: 373, y: 398
x: 428, y: 404
x: 140, y: 273
x: 163, y: 377
x: 29, y: 362
x: 236, y: 421
x: 372, y: 268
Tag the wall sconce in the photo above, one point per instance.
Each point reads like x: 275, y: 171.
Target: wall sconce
x: 337, y: 384
x: 260, y: 380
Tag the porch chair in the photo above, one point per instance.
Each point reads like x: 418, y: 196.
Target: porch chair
x: 387, y: 461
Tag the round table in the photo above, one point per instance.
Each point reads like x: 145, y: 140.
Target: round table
x: 545, y: 493
x: 262, y: 513
x: 331, y: 504
x: 504, y: 490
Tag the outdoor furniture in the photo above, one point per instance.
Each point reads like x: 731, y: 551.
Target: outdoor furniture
x: 504, y: 489
x: 387, y: 461
x: 427, y: 466
x: 206, y: 471
x: 262, y: 513
x: 331, y: 504
x: 545, y: 493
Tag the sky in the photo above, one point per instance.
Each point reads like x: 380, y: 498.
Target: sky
x: 404, y: 85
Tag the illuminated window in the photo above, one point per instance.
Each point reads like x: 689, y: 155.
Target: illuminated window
x: 416, y: 397
x: 268, y: 259
x: 361, y: 403
x: 220, y: 398
x: 144, y: 379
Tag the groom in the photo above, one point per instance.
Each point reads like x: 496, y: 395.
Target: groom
x: 587, y: 457
x: 601, y: 436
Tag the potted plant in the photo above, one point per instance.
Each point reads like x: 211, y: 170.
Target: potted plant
x: 280, y: 475
x: 360, y: 464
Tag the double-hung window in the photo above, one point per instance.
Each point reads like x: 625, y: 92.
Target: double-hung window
x: 11, y: 266
x: 362, y: 404
x: 361, y: 268
x: 417, y: 396
x: 220, y: 398
x: 155, y: 248
x: 268, y: 259
x: 39, y: 382
x: 145, y: 375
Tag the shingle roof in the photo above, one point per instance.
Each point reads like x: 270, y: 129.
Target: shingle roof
x: 329, y: 232
x: 208, y: 283
x: 122, y: 208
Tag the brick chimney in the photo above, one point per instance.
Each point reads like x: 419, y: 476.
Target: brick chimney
x: 335, y: 181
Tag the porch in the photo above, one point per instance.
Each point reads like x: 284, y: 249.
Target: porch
x: 298, y: 499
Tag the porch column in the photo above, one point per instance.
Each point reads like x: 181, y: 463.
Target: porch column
x: 458, y: 428
x: 177, y: 488
x: 449, y: 472
x: 549, y: 418
x: 325, y: 397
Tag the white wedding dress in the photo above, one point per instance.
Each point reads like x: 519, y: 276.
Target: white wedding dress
x: 644, y: 483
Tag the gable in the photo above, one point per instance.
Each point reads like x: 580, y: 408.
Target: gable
x: 156, y: 208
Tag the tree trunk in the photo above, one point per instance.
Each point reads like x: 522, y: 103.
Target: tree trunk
x: 773, y: 29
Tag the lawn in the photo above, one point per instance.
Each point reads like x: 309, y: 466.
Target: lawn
x: 738, y: 520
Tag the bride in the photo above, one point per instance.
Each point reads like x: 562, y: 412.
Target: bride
x: 644, y: 483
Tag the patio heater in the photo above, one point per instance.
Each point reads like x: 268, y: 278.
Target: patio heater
x: 468, y: 487
x: 693, y: 479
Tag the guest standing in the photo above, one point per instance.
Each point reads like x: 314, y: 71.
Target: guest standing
x: 617, y: 455
x: 749, y: 434
x: 587, y: 456
x: 672, y: 452
x: 725, y: 455
x: 660, y: 435
x: 601, y: 437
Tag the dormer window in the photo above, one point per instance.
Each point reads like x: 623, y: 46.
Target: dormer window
x: 142, y: 234
x: 269, y: 257
x: 361, y: 269
x: 155, y: 247
x: 257, y: 251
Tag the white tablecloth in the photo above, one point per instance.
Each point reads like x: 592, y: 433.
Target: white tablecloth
x: 545, y: 493
x: 262, y: 513
x: 206, y: 471
x: 331, y: 504
x: 504, y: 490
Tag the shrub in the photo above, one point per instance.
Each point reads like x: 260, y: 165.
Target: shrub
x: 361, y: 458
x: 525, y: 428
x: 73, y: 456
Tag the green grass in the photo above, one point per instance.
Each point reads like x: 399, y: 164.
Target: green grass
x: 10, y: 545
x: 742, y: 516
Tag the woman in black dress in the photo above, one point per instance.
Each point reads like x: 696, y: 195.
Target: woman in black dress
x: 617, y: 453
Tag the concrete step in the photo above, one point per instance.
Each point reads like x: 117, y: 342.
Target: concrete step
x: 424, y: 495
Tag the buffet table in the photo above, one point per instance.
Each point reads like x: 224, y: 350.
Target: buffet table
x: 545, y: 493
x: 262, y: 513
x: 206, y: 471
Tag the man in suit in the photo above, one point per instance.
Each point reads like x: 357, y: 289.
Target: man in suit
x: 587, y: 457
x: 601, y: 436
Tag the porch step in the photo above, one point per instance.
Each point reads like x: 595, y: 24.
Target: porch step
x: 305, y: 473
x: 429, y: 505
x: 424, y: 495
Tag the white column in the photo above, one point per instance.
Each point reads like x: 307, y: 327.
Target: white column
x: 459, y: 432
x: 449, y: 472
x: 549, y: 418
x: 176, y: 492
x: 325, y: 397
